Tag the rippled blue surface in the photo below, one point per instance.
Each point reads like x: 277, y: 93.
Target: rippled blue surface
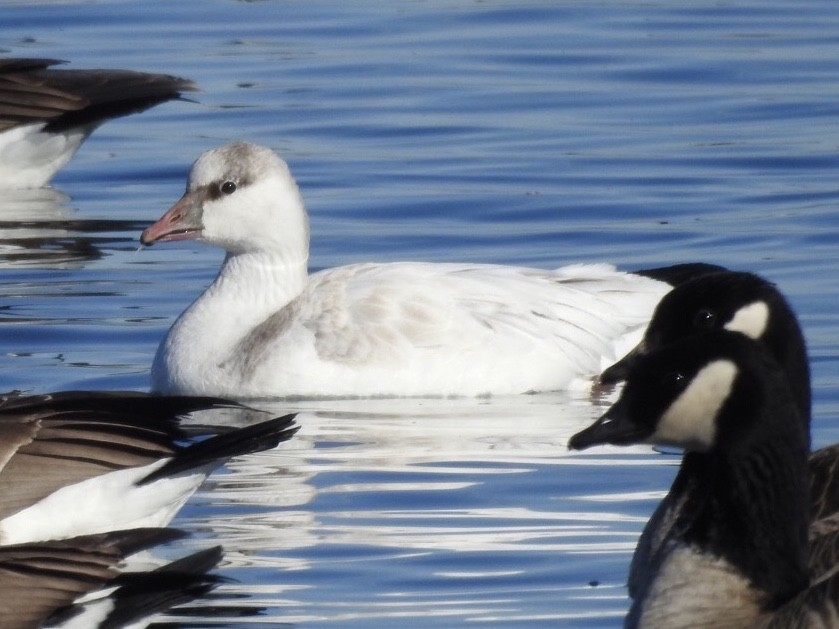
x: 536, y: 133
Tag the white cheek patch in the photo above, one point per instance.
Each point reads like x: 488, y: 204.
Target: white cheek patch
x: 750, y: 320
x: 690, y: 421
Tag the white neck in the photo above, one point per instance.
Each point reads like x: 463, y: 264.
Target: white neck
x: 249, y: 288
x: 254, y: 285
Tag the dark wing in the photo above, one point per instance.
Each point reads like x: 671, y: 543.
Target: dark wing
x: 32, y: 91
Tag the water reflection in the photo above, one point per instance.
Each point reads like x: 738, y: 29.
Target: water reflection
x: 39, y: 229
x: 111, y: 578
x: 442, y: 496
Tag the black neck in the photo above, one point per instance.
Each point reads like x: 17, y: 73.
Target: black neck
x: 750, y: 506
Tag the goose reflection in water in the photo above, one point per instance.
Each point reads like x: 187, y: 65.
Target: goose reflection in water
x: 40, y: 229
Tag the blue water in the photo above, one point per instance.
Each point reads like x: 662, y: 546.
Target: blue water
x: 538, y: 133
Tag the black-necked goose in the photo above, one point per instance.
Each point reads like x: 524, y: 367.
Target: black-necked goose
x: 737, y: 552
x: 76, y: 463
x: 265, y: 327
x: 79, y: 583
x: 46, y: 113
x: 745, y: 303
x: 731, y: 300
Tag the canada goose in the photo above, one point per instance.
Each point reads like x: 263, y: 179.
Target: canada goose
x: 265, y: 327
x: 745, y: 303
x: 731, y: 300
x: 74, y: 463
x: 737, y: 552
x: 46, y: 113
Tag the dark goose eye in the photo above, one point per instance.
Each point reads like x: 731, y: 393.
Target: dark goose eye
x: 228, y: 187
x: 705, y: 319
x: 673, y: 381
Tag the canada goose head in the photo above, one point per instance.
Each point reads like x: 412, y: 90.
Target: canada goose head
x: 692, y: 393
x: 733, y: 301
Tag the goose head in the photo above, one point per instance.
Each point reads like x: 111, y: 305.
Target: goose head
x: 733, y: 301
x: 679, y: 394
x: 240, y: 197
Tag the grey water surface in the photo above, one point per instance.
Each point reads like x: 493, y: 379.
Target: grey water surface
x: 515, y: 132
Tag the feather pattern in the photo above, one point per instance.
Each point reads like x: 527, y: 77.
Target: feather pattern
x: 85, y: 462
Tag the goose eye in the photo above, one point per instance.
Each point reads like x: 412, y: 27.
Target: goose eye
x: 228, y: 187
x: 705, y: 319
x: 674, y: 381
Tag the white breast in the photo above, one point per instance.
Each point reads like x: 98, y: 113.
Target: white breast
x: 693, y: 589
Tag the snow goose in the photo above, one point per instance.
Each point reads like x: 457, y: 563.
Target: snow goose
x: 745, y: 303
x: 737, y: 553
x: 46, y: 114
x: 77, y: 463
x: 265, y: 327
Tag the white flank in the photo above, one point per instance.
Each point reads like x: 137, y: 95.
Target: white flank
x: 104, y: 503
x: 29, y: 157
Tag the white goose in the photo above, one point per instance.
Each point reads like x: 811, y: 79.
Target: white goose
x: 265, y: 327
